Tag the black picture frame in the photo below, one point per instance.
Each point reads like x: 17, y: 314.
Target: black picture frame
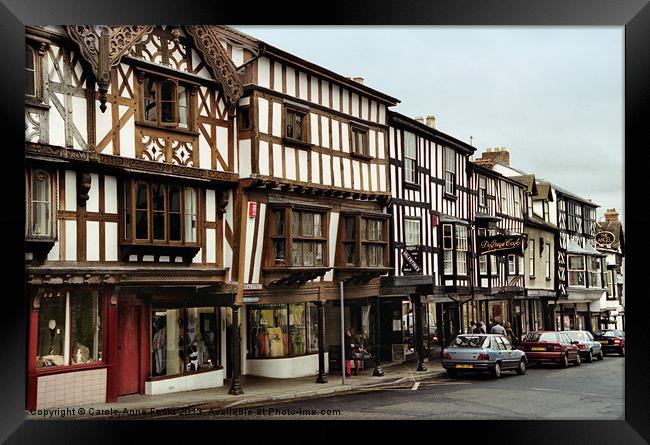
x: 633, y: 14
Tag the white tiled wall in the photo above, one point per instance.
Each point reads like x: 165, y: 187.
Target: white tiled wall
x: 71, y: 388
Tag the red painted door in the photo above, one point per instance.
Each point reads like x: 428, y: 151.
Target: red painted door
x: 128, y: 351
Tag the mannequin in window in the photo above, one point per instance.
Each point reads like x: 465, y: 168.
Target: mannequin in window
x: 160, y: 347
x: 50, y: 349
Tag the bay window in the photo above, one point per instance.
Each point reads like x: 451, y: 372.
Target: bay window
x: 282, y: 330
x: 298, y: 233
x: 371, y: 242
x: 576, y: 270
x: 410, y: 158
x: 165, y: 102
x: 159, y: 213
x: 450, y: 171
x: 70, y: 329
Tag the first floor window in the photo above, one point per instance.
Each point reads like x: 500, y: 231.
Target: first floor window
x: 39, y: 199
x: 482, y: 192
x: 81, y: 313
x: 448, y: 249
x: 372, y: 242
x: 531, y: 258
x: 295, y: 125
x: 30, y: 72
x: 610, y: 284
x: 282, y: 330
x: 410, y: 158
x: 594, y: 272
x: 183, y: 340
x: 359, y: 141
x: 461, y: 250
x: 308, y: 243
x: 511, y: 265
x: 412, y: 232
x: 482, y: 259
x: 548, y: 261
x: 576, y: 270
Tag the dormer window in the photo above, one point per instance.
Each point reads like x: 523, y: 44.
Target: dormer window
x: 165, y: 102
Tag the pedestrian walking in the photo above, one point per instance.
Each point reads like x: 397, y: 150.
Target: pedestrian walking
x: 510, y: 333
x: 352, y: 347
x: 497, y: 328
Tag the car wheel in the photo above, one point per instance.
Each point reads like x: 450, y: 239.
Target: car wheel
x: 578, y: 361
x: 451, y: 372
x: 622, y: 352
x: 496, y: 371
x: 521, y: 370
x: 565, y: 361
x: 590, y: 357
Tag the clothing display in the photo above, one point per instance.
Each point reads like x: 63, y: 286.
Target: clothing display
x: 159, y: 350
x: 277, y: 340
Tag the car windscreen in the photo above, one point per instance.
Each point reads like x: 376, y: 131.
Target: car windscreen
x: 547, y: 337
x: 467, y: 341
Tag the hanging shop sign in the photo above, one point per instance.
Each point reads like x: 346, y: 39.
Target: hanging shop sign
x: 412, y: 258
x: 501, y: 245
x: 605, y: 238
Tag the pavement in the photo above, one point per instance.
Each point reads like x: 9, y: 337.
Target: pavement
x: 257, y: 391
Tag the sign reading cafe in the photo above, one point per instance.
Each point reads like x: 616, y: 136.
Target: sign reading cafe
x: 501, y: 245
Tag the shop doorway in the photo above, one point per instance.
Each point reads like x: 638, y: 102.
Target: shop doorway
x: 128, y: 349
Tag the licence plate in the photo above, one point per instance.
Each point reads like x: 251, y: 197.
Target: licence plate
x: 604, y: 342
x: 460, y: 365
x: 537, y: 349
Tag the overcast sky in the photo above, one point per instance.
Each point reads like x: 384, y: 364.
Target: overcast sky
x: 552, y: 95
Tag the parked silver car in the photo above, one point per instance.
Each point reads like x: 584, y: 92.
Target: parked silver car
x: 587, y: 346
x: 483, y: 353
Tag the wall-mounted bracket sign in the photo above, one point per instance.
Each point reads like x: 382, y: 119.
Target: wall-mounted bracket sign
x: 605, y: 238
x: 501, y: 245
x: 411, y: 264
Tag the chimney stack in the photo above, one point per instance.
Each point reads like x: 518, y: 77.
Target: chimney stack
x: 611, y: 215
x: 500, y: 154
x: 357, y: 79
x: 419, y: 119
x: 431, y: 121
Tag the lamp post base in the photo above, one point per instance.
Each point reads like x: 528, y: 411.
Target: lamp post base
x: 322, y: 378
x: 235, y: 388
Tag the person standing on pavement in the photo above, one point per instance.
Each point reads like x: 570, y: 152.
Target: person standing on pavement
x: 478, y: 329
x: 510, y: 333
x: 472, y: 326
x: 498, y: 329
x: 352, y: 344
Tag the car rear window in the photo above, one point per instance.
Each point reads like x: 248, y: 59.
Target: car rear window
x: 611, y: 333
x: 541, y: 337
x: 465, y: 341
x: 576, y: 335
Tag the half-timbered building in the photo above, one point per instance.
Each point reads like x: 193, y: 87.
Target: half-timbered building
x: 497, y: 207
x: 431, y: 233
x: 130, y: 172
x: 312, y: 161
x: 611, y: 242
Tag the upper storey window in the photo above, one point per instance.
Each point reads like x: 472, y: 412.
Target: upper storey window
x: 165, y: 102
x: 359, y: 141
x: 296, y: 125
x: 450, y: 172
x: 410, y: 158
x: 39, y: 191
x: 30, y: 72
x: 482, y: 192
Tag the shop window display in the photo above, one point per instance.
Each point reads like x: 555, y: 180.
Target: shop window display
x: 282, y: 330
x: 184, y: 340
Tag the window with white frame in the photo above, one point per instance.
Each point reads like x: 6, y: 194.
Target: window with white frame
x: 531, y: 258
x: 545, y: 210
x: 448, y: 248
x: 412, y: 232
x: 504, y: 198
x: 493, y: 258
x: 482, y: 191
x: 39, y: 194
x: 610, y: 285
x: 512, y: 265
x: 461, y: 250
x: 594, y: 272
x: 482, y: 259
x: 517, y: 202
x: 548, y: 261
x: 410, y: 158
x: 576, y: 270
x: 520, y: 260
x: 450, y: 171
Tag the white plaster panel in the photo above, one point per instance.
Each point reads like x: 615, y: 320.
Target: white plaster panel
x: 210, y: 246
x: 260, y: 243
x: 355, y: 105
x: 313, y: 119
x: 327, y: 177
x: 325, y: 131
x: 357, y: 174
x: 347, y: 173
x: 92, y: 205
x: 364, y: 108
x: 263, y: 115
x: 381, y: 147
x: 346, y: 101
x: 372, y: 143
x: 286, y: 368
x: 374, y: 177
x: 110, y: 194
x: 198, y: 258
x: 334, y: 224
x: 210, y: 206
x: 277, y: 77
x: 263, y: 72
x: 336, y: 128
x: 315, y: 170
x: 382, y: 180
x: 103, y: 124
x: 263, y: 157
x: 92, y: 240
x: 373, y: 111
x: 303, y: 172
x: 188, y: 382
x: 110, y: 241
x: 79, y: 118
x: 70, y: 190
x: 336, y: 161
x: 53, y: 254
x: 336, y: 97
x: 291, y: 81
x: 127, y: 139
x: 365, y: 181
x: 245, y: 158
x: 345, y: 138
x: 382, y: 114
x: 303, y: 85
x: 314, y: 89
x: 205, y: 153
x: 325, y: 92
x: 70, y: 240
x: 57, y: 124
x: 237, y: 56
x: 250, y: 232
x: 222, y: 145
x: 277, y: 160
x: 277, y: 119
x: 290, y: 163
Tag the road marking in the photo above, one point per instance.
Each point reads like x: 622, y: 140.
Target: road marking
x: 572, y: 392
x: 415, y: 387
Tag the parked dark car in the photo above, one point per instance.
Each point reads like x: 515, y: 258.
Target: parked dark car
x: 587, y: 346
x: 482, y: 353
x: 550, y: 346
x: 611, y: 340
